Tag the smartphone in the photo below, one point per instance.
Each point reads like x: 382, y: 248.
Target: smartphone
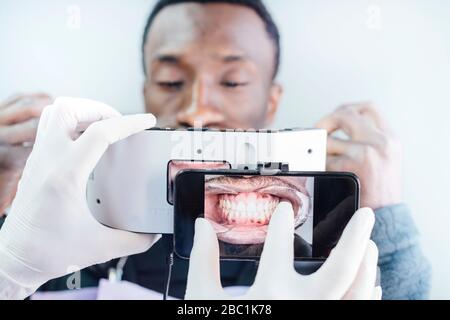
x: 239, y: 206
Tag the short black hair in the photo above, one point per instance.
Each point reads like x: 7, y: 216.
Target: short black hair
x: 256, y: 5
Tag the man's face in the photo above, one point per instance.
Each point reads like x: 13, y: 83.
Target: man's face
x: 210, y: 66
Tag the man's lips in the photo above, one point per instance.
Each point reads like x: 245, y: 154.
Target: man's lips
x: 240, y: 208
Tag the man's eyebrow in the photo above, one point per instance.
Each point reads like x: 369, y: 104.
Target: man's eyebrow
x: 167, y: 58
x: 233, y: 58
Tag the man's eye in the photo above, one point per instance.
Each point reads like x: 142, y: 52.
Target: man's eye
x: 232, y: 84
x: 174, y: 85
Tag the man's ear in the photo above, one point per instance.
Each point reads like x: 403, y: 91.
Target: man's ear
x: 275, y: 94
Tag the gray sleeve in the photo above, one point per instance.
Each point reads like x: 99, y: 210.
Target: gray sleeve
x: 405, y: 272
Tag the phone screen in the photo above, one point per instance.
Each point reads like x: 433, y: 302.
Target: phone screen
x: 240, y: 206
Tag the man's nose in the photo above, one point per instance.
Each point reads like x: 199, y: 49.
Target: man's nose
x: 201, y: 111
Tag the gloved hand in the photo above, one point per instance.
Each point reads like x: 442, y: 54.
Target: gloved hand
x: 50, y: 230
x: 348, y: 273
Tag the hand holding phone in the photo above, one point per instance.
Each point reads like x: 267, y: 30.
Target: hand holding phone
x: 349, y: 272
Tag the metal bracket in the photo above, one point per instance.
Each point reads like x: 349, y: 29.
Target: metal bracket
x: 272, y: 168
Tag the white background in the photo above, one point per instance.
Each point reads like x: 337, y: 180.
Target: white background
x: 393, y: 52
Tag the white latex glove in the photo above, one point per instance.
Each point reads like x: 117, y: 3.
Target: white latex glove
x: 50, y: 230
x: 348, y: 273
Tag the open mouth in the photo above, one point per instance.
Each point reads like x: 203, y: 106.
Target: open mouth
x: 240, y: 208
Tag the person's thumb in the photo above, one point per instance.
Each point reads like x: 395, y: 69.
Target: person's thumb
x: 92, y: 144
x: 204, y: 268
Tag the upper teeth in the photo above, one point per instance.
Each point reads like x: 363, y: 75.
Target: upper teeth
x: 252, y: 211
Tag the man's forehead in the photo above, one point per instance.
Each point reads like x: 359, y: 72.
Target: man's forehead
x: 223, y: 30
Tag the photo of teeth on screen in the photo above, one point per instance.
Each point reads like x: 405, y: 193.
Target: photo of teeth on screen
x: 240, y: 208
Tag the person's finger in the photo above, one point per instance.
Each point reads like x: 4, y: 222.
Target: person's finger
x: 23, y: 110
x: 24, y: 99
x: 16, y: 114
x: 68, y: 113
x: 204, y: 265
x: 345, y: 259
x: 340, y: 120
x: 349, y: 148
x: 367, y: 110
x: 92, y: 144
x: 19, y: 133
x: 353, y: 124
x: 278, y: 252
x: 10, y: 101
x: 363, y: 286
x: 337, y: 146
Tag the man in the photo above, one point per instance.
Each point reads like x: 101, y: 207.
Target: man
x: 214, y: 63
